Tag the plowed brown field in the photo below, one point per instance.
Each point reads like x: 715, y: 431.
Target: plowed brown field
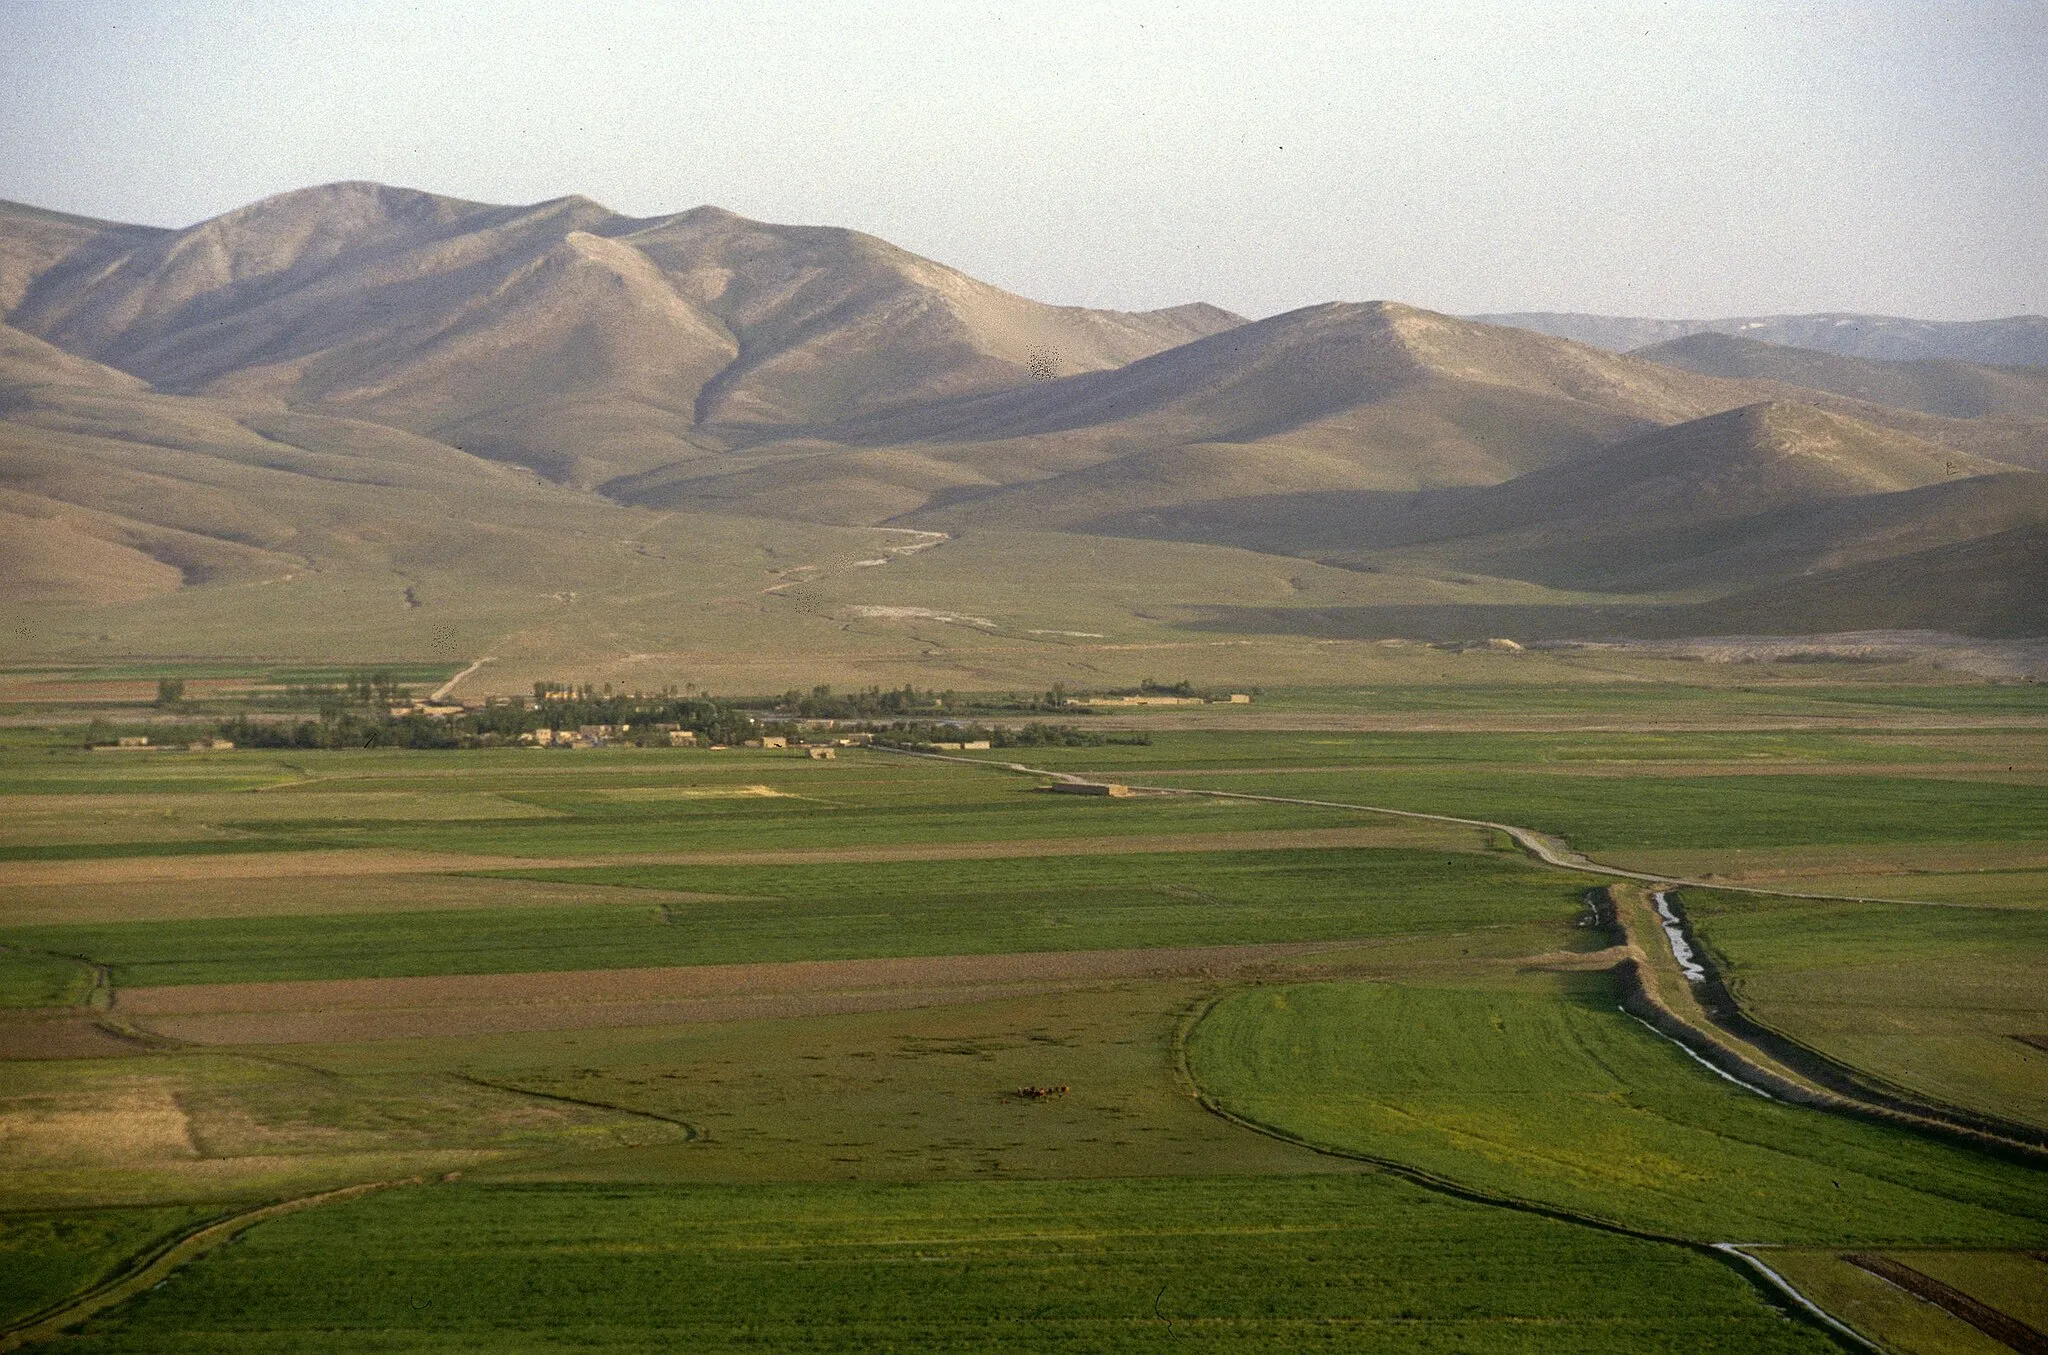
x: 347, y: 1010
x: 62, y: 1037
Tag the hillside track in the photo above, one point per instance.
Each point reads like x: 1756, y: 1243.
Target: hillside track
x: 441, y: 692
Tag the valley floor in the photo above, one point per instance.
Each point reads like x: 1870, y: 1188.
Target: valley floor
x: 900, y: 1052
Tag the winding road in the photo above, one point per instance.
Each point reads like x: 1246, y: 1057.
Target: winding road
x: 1551, y: 851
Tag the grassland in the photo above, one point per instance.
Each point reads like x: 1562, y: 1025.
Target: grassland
x: 847, y: 912
x: 1345, y: 1262
x: 903, y: 1096
x: 45, y: 1256
x: 2007, y: 1281
x: 849, y: 1164
x: 1938, y: 1000
x: 31, y: 978
x: 1689, y: 812
x: 1557, y: 1097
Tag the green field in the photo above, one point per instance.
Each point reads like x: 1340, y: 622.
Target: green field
x: 1724, y: 812
x: 1343, y: 1263
x: 1637, y: 688
x: 1557, y: 1097
x: 813, y: 814
x: 538, y: 803
x: 46, y: 1255
x: 835, y: 912
x: 1938, y: 1000
x: 856, y: 1166
x: 33, y: 978
x: 1235, y: 749
x: 1904, y: 1322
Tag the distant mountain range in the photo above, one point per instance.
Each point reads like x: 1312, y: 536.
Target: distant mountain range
x: 2021, y: 340
x: 366, y: 419
x: 1956, y: 390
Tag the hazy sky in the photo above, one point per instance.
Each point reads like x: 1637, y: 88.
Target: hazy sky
x: 1682, y: 159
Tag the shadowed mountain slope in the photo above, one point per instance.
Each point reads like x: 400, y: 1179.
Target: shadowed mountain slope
x: 34, y: 240
x: 1306, y: 373
x: 1717, y: 502
x: 27, y: 363
x: 1991, y: 585
x: 111, y: 491
x: 1374, y: 395
x: 1956, y: 390
x: 1330, y: 399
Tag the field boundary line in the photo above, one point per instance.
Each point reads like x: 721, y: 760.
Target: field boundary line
x: 1791, y: 1291
x: 691, y: 1133
x: 149, y: 1268
x: 1769, y: 1283
x: 1995, y: 1323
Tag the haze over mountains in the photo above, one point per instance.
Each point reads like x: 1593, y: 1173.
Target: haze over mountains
x: 2020, y: 340
x: 1944, y: 386
x: 404, y: 424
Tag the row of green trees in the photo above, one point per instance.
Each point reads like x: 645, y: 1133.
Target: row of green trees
x: 876, y: 703
x: 357, y: 690
x: 923, y: 734
x: 357, y: 713
x: 631, y: 718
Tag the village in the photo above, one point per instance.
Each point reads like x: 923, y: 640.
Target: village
x: 372, y: 711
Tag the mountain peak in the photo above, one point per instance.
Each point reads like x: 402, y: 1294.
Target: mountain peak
x: 345, y: 202
x: 574, y: 200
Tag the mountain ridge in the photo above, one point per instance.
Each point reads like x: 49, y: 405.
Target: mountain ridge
x: 2018, y: 340
x: 359, y: 297
x: 384, y: 412
x: 1940, y: 386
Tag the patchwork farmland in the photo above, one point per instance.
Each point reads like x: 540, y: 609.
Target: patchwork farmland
x: 551, y: 1047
